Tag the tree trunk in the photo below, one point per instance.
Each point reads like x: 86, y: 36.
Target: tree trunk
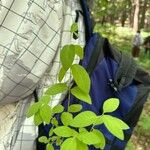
x: 144, y: 9
x: 136, y: 15
x: 131, y: 12
x: 123, y: 18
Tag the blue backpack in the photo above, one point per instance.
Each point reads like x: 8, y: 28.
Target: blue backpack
x: 113, y: 74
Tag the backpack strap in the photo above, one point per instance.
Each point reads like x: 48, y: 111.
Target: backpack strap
x: 87, y: 19
x: 125, y: 72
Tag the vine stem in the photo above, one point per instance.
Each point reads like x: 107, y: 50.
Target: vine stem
x: 69, y: 94
x: 69, y: 90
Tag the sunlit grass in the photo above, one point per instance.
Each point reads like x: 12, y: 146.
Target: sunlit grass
x: 121, y: 39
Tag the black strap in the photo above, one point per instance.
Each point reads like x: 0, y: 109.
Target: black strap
x: 126, y: 72
x: 96, y: 54
x: 87, y: 19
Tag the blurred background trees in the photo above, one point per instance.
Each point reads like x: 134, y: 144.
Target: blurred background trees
x: 133, y: 13
x: 118, y: 20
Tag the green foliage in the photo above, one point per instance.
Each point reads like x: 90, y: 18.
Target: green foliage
x: 89, y: 138
x: 81, y: 77
x: 81, y: 95
x: 75, y: 108
x: 61, y: 74
x: 83, y: 119
x: 73, y: 134
x: 79, y: 51
x: 66, y: 118
x: 37, y: 119
x: 33, y: 109
x: 49, y: 147
x: 64, y: 131
x: 43, y: 139
x: 69, y: 144
x: 46, y: 113
x: 58, y: 109
x: 110, y: 105
x: 115, y: 126
x: 67, y: 56
x: 74, y: 27
x: 101, y: 143
x: 57, y: 88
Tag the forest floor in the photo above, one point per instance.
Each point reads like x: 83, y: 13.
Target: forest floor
x: 121, y: 38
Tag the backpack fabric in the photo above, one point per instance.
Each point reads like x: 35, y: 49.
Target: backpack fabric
x: 113, y: 74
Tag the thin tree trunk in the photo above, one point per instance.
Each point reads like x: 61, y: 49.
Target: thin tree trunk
x: 144, y: 9
x: 123, y: 18
x: 136, y: 16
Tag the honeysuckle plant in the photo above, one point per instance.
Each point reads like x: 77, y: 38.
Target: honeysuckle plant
x: 76, y: 128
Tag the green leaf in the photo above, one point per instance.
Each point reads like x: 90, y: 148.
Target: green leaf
x: 79, y: 51
x: 69, y: 144
x: 67, y: 56
x: 81, y: 77
x: 51, y: 131
x: 102, y: 142
x: 74, y: 27
x: 58, y: 141
x: 80, y: 145
x: 33, y: 109
x: 61, y: 74
x: 81, y: 95
x: 45, y: 99
x: 110, y: 105
x: 83, y: 119
x: 54, y: 121
x: 43, y: 139
x: 49, y: 147
x: 37, y: 119
x: 89, y: 138
x: 46, y: 113
x: 82, y: 130
x: 58, y: 109
x: 57, y: 88
x: 53, y: 138
x: 98, y: 121
x: 115, y: 126
x: 66, y: 118
x: 64, y: 131
x: 75, y: 108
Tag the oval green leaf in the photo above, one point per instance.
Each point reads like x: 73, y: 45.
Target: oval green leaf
x: 115, y: 126
x: 37, y: 119
x: 66, y: 118
x: 58, y: 109
x: 49, y: 147
x: 69, y: 144
x: 43, y: 139
x: 46, y: 113
x: 75, y: 108
x: 81, y: 95
x: 89, y: 138
x: 61, y: 74
x: 83, y: 119
x: 33, y: 109
x: 101, y: 137
x: 64, y: 131
x: 74, y: 27
x: 67, y: 56
x: 81, y: 77
x: 57, y: 88
x: 79, y: 51
x: 110, y: 105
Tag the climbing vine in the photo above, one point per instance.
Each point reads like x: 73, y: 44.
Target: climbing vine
x: 75, y: 128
